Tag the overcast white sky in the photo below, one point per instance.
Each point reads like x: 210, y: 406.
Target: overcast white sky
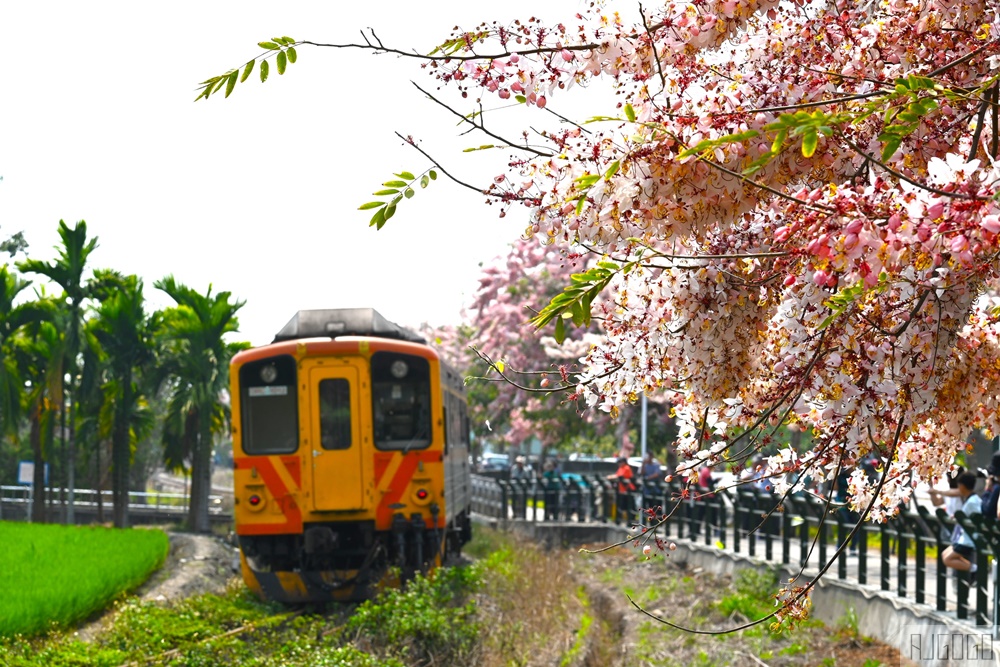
x: 256, y: 194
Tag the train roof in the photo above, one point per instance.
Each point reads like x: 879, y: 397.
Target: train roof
x: 335, y: 322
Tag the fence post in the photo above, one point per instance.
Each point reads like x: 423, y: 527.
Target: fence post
x: 885, y: 557
x: 786, y: 532
x: 842, y: 545
x: 902, y: 546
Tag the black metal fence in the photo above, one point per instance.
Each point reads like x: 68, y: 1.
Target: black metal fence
x: 902, y: 555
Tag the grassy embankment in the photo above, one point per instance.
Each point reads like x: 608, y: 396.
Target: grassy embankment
x: 55, y: 576
x: 514, y: 605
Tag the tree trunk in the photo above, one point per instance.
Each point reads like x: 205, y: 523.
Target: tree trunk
x: 98, y: 481
x: 120, y: 455
x: 38, y: 480
x: 71, y: 462
x: 201, y: 474
x: 64, y: 458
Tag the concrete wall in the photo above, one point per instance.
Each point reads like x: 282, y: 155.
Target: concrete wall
x: 917, y: 630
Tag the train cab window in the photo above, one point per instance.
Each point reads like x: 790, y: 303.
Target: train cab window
x: 269, y: 403
x: 401, y: 401
x: 335, y: 414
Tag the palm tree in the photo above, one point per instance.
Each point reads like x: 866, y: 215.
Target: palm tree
x: 67, y: 271
x: 40, y: 351
x: 12, y: 318
x: 125, y: 334
x: 197, y: 360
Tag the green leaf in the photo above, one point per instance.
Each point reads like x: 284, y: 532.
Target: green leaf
x: 371, y: 205
x: 779, y: 141
x: 560, y: 330
x: 433, y: 174
x: 395, y: 184
x: 385, y: 193
x: 500, y: 366
x: 612, y: 170
x: 758, y: 164
x: 408, y: 192
x: 389, y: 211
x: 218, y: 85
x: 424, y: 181
x: 407, y: 175
x: 289, y: 39
x: 521, y: 98
x: 580, y: 202
x: 891, y: 146
x: 231, y: 82
x: 246, y: 70
x: 264, y: 67
x: 630, y: 113
x: 378, y: 219
x: 281, y: 61
x: 291, y: 53
x: 809, y: 142
x: 270, y: 46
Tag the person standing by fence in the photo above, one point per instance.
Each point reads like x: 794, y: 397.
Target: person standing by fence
x: 624, y: 488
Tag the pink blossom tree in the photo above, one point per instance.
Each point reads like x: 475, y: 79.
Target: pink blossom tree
x: 517, y: 359
x: 793, y: 211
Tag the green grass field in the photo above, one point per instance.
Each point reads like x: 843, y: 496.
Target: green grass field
x: 53, y: 575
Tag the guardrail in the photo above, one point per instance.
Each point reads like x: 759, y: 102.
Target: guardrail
x: 901, y: 556
x: 15, y: 501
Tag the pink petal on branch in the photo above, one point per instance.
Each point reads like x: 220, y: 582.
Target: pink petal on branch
x: 991, y: 223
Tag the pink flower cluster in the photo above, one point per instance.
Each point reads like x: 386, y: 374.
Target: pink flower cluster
x: 833, y: 276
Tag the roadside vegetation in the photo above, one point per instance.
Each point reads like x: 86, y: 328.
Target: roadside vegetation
x: 514, y: 604
x: 55, y: 576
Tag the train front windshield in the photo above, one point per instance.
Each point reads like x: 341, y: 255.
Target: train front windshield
x: 270, y: 406
x: 401, y: 401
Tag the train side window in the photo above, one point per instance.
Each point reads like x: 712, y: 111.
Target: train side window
x: 269, y: 406
x: 401, y: 401
x: 335, y: 413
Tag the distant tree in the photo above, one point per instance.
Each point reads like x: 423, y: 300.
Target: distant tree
x: 40, y: 350
x: 126, y: 334
x: 195, y: 366
x: 14, y: 244
x: 68, y: 271
x: 517, y: 393
x: 12, y: 319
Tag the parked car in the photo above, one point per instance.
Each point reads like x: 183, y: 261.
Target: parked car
x: 494, y: 462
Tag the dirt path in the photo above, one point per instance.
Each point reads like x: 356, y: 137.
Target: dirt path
x: 196, y: 564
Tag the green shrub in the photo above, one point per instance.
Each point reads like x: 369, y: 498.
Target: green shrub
x: 753, y: 594
x: 430, y: 620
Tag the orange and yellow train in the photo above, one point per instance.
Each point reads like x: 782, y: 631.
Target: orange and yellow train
x: 351, y: 447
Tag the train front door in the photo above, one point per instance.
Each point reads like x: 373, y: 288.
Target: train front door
x: 336, y: 438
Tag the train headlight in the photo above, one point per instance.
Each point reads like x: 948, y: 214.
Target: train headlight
x: 399, y: 369
x: 269, y: 373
